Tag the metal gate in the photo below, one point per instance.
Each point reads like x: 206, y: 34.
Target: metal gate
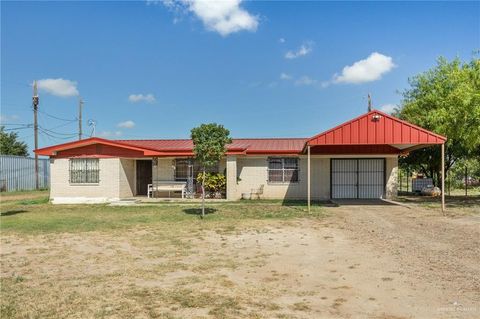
x: 357, y: 178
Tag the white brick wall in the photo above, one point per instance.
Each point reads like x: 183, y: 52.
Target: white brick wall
x: 253, y: 173
x: 164, y: 171
x: 61, y: 191
x: 126, y: 178
x: 117, y: 179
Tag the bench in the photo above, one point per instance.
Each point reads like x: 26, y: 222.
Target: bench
x: 167, y: 186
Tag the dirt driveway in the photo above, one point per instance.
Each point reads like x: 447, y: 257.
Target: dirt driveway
x: 359, y: 262
x: 421, y: 264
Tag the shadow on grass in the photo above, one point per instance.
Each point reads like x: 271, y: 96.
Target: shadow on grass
x: 361, y: 202
x: 198, y: 211
x: 303, y: 203
x: 13, y: 212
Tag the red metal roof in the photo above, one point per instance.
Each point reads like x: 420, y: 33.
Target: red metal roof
x: 374, y: 132
x: 244, y: 145
x: 172, y: 147
x: 376, y: 128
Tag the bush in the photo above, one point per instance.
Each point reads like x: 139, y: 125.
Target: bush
x: 215, y: 183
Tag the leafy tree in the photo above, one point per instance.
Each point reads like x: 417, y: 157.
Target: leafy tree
x: 210, y: 142
x: 10, y: 145
x: 445, y: 100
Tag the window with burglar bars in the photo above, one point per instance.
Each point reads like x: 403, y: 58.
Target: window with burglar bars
x: 283, y: 170
x: 84, y: 171
x: 182, y: 167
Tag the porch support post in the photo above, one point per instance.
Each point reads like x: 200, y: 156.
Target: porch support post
x: 308, y: 177
x: 443, y: 177
x: 231, y: 165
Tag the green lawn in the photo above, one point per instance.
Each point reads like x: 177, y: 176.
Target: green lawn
x: 34, y: 214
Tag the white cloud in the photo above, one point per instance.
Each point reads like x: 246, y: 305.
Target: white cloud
x: 135, y: 98
x: 285, y: 76
x: 126, y: 124
x: 281, y: 40
x: 305, y: 80
x: 58, y: 87
x: 224, y: 17
x: 108, y: 134
x: 388, y: 108
x: 304, y: 49
x: 367, y: 70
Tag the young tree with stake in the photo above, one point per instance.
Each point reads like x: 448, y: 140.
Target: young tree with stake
x: 209, y: 142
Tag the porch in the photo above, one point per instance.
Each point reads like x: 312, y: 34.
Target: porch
x: 172, y: 178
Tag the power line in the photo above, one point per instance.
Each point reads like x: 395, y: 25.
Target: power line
x: 57, y: 137
x: 57, y: 133
x: 40, y: 111
x: 17, y: 128
x: 62, y: 125
x: 57, y: 118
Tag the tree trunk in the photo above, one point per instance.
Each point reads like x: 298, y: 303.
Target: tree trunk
x: 203, y: 193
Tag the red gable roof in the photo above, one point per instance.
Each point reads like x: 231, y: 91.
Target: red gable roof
x: 382, y: 133
x: 244, y: 145
x: 376, y: 128
x: 172, y: 147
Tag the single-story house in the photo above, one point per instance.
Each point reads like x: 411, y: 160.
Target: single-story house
x: 357, y: 159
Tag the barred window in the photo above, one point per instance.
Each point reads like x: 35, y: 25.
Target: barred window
x: 181, y: 169
x: 84, y: 171
x: 283, y: 169
x: 182, y: 166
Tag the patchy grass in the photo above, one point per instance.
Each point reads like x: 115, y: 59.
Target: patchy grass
x: 6, y: 197
x: 36, y: 215
x: 156, y: 261
x: 455, y: 205
x: 252, y: 259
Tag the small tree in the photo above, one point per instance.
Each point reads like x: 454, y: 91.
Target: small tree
x: 209, y: 142
x: 10, y: 145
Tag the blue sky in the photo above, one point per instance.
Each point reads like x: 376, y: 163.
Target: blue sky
x: 263, y: 69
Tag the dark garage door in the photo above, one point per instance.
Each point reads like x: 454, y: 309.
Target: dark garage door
x: 357, y: 178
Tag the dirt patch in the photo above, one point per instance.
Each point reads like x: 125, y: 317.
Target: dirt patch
x: 361, y: 262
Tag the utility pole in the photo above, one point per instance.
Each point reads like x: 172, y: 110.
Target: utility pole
x: 35, y: 128
x: 80, y: 106
x: 369, y: 103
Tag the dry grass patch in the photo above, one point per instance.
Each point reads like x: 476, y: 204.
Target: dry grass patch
x: 96, y: 261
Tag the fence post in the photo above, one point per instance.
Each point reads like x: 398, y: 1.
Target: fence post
x: 408, y: 174
x: 400, y: 178
x: 466, y: 180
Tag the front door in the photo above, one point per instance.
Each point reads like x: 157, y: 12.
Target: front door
x: 144, y: 176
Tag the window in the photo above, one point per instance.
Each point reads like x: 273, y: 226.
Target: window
x: 84, y: 171
x: 283, y: 170
x: 181, y: 169
x: 183, y: 165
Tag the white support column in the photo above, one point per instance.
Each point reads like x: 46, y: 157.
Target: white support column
x: 231, y: 166
x: 443, y: 177
x: 308, y: 177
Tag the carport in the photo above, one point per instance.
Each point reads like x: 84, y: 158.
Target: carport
x: 361, y: 144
